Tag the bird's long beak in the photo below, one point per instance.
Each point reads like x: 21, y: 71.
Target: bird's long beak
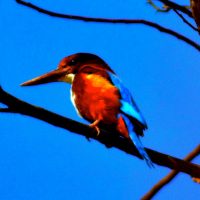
x: 53, y: 76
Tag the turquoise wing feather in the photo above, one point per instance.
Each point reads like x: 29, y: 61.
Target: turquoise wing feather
x: 129, y: 110
x: 129, y: 107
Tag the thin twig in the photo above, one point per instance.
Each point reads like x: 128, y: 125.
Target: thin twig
x: 177, y: 7
x: 107, y: 138
x: 195, y: 5
x: 165, y: 8
x: 185, y: 21
x: 164, y: 181
x: 118, y: 21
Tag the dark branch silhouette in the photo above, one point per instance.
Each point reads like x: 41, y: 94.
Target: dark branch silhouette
x: 167, y: 179
x: 109, y: 139
x: 163, y: 9
x: 195, y: 5
x: 185, y: 21
x: 166, y: 9
x: 115, y: 21
x: 176, y: 6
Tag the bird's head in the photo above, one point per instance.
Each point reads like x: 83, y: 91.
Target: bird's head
x: 69, y: 67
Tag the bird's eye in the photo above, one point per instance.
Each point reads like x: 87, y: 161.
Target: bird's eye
x: 72, y: 62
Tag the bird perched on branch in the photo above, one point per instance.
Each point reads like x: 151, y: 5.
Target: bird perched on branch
x: 99, y: 97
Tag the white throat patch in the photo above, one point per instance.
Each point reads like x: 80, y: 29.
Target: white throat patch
x: 69, y: 78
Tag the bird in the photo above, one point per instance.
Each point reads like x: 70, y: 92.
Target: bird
x: 99, y: 96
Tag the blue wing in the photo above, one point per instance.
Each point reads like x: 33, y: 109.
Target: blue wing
x: 128, y: 106
x: 129, y: 110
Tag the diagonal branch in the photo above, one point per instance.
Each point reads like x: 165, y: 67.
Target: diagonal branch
x: 106, y: 138
x: 114, y: 21
x: 185, y: 21
x: 7, y: 110
x: 164, y: 8
x: 157, y: 187
x: 195, y: 5
x: 176, y: 6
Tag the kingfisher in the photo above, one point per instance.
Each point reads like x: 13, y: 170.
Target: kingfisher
x: 99, y: 96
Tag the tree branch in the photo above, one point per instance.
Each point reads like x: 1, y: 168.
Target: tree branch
x: 185, y: 21
x: 176, y: 6
x: 157, y: 187
x: 164, y: 8
x: 118, y: 21
x: 7, y: 110
x: 195, y: 5
x: 106, y: 138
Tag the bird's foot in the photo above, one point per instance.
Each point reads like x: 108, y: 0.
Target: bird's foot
x: 94, y: 125
x: 97, y: 129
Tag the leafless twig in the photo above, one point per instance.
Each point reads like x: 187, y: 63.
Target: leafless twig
x: 158, y: 186
x: 195, y: 5
x: 115, y: 21
x: 176, y: 6
x: 185, y: 21
x: 164, y: 8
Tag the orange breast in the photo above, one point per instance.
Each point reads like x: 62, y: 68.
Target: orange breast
x: 96, y: 98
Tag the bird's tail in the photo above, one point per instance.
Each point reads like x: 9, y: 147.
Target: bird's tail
x: 139, y: 146
x: 136, y: 140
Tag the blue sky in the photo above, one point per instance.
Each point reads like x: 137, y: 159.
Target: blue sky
x: 39, y: 161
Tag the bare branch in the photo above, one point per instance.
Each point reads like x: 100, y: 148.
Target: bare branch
x: 108, y: 139
x: 6, y: 110
x: 164, y: 8
x: 157, y: 187
x: 176, y: 6
x: 185, y: 21
x: 115, y: 21
x: 195, y: 5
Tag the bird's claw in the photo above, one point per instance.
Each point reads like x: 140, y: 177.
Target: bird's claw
x: 95, y: 127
